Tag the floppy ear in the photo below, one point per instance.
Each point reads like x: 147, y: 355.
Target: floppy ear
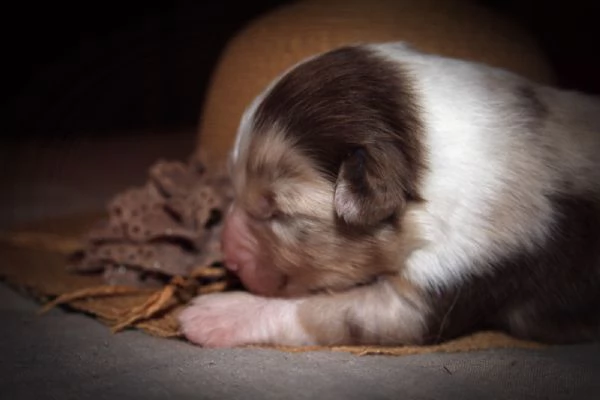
x: 369, y: 185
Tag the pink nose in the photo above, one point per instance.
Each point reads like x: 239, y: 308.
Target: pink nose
x: 241, y: 256
x: 231, y: 265
x: 232, y: 262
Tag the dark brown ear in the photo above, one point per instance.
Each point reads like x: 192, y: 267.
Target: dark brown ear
x: 369, y: 186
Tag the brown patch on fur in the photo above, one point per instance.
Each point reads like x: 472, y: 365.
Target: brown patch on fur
x: 550, y: 295
x: 351, y: 102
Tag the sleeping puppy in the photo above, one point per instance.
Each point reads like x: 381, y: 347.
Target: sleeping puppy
x: 387, y: 196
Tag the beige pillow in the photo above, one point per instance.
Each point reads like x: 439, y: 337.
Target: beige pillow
x: 284, y: 36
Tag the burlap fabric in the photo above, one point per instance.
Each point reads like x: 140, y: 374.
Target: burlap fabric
x: 35, y: 256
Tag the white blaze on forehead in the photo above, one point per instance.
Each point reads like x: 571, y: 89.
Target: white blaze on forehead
x: 242, y: 139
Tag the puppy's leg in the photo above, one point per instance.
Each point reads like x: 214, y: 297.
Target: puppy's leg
x: 372, y: 314
x: 389, y: 311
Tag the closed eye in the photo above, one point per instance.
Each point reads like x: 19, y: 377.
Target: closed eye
x: 273, y: 215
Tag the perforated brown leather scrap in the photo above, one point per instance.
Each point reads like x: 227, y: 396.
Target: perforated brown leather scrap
x: 166, y: 228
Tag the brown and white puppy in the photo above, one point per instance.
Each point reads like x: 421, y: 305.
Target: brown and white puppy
x: 386, y: 196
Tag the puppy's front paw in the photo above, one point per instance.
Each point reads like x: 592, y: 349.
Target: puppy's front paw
x: 222, y: 319
x: 239, y: 318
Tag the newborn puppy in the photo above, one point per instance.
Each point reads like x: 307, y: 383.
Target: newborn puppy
x: 387, y: 196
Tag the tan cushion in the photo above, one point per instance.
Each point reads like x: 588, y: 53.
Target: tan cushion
x: 275, y: 41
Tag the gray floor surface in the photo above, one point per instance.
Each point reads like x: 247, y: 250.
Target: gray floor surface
x: 71, y: 356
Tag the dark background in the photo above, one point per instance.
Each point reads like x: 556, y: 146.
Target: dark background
x: 102, y: 67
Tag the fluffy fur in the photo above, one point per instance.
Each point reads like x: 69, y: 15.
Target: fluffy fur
x: 388, y: 196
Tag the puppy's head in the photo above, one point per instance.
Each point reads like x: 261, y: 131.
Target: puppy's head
x: 324, y: 165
